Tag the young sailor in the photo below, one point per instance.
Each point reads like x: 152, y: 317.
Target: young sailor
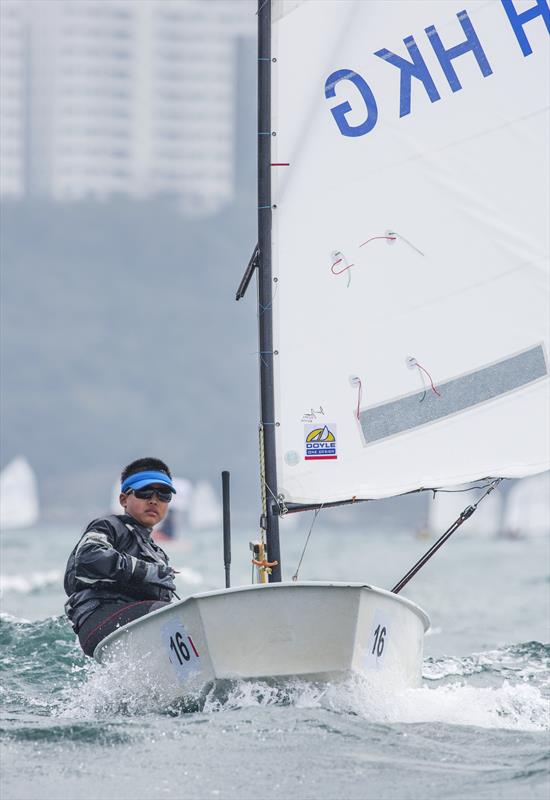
x: 117, y: 573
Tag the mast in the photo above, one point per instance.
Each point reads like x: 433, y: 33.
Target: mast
x: 270, y: 519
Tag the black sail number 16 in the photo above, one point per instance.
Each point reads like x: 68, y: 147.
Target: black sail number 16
x: 379, y: 641
x: 180, y: 648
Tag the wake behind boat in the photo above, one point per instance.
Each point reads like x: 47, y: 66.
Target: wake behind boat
x: 403, y: 312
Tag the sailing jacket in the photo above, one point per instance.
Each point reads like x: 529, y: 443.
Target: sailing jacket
x: 109, y: 564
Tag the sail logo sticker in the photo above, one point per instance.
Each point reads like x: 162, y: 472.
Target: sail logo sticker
x: 320, y: 442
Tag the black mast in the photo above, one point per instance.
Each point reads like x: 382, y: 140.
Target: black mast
x: 265, y: 287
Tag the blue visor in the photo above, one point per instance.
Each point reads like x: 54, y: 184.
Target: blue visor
x: 140, y: 479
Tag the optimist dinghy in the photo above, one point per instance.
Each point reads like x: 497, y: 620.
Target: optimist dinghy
x: 403, y: 304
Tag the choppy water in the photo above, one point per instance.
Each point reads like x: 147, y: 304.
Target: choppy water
x: 478, y: 727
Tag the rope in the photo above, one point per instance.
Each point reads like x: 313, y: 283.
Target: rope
x: 262, y: 470
x: 316, y: 514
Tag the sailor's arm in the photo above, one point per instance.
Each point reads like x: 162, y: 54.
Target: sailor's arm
x: 98, y: 562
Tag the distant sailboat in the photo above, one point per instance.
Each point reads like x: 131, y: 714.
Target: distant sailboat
x: 170, y: 528
x: 528, y: 508
x: 205, y: 510
x: 18, y: 495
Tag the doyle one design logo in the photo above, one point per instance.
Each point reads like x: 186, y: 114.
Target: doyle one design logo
x: 320, y: 442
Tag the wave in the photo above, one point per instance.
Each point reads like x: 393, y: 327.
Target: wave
x: 30, y: 582
x: 518, y: 702
x: 35, y: 582
x: 526, y: 661
x: 509, y: 707
x: 39, y: 659
x: 45, y: 672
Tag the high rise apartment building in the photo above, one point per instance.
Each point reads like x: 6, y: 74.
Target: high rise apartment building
x: 13, y: 84
x: 135, y: 97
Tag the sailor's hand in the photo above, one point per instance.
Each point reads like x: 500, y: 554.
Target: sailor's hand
x: 161, y: 575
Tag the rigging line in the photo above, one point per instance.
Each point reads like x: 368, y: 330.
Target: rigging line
x: 263, y: 309
x: 491, y: 486
x: 398, y: 236
x: 424, y: 393
x: 434, y: 388
x: 340, y: 271
x: 313, y: 521
x: 372, y: 238
x: 468, y: 511
x: 458, y: 491
x: 359, y: 397
x: 278, y: 500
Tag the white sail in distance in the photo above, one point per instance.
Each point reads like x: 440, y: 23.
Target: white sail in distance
x: 409, y: 244
x: 19, y: 506
x: 528, y: 507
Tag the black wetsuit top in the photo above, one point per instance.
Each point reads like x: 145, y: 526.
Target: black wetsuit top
x: 109, y: 564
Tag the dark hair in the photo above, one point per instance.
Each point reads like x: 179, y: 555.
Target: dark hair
x: 142, y: 465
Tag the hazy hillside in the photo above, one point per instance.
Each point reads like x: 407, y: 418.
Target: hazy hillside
x: 121, y: 336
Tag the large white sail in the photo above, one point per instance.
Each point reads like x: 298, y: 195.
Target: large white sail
x: 18, y: 495
x: 409, y: 244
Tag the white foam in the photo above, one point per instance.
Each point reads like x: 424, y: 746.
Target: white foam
x: 513, y: 707
x: 5, y: 617
x: 509, y: 706
x: 109, y: 688
x: 30, y: 582
x: 127, y: 685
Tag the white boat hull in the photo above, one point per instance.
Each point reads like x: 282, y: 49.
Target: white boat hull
x: 312, y: 631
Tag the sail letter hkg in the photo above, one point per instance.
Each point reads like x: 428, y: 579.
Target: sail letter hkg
x: 409, y: 244
x: 417, y: 68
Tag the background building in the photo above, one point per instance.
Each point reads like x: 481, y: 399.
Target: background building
x: 106, y: 97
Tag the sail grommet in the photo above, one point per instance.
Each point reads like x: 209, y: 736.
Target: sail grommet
x: 355, y: 380
x: 411, y: 362
x: 391, y: 236
x: 292, y: 458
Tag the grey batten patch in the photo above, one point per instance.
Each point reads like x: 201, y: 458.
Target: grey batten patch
x: 458, y: 394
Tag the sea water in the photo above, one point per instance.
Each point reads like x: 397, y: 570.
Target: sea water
x: 477, y: 728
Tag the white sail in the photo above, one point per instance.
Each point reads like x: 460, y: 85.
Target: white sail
x: 181, y: 501
x: 409, y: 244
x: 528, y: 507
x: 205, y: 510
x: 18, y: 495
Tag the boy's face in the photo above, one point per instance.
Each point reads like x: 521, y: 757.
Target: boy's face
x: 147, y: 512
